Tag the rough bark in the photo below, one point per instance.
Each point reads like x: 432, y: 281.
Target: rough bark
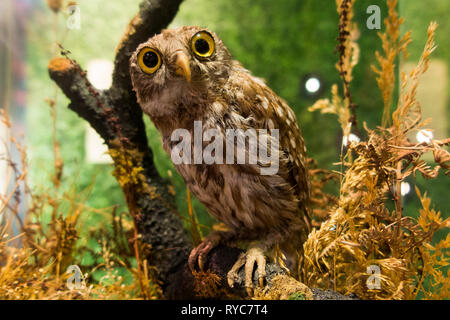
x: 115, y: 114
x: 117, y: 117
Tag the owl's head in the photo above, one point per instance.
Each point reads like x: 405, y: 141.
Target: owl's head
x: 177, y: 68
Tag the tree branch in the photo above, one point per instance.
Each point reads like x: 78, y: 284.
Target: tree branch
x: 117, y: 117
x: 153, y: 16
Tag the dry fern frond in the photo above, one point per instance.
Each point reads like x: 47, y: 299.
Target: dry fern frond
x: 361, y: 231
x: 408, y: 113
x: 392, y: 47
x: 336, y: 106
x: 319, y: 198
x: 33, y: 264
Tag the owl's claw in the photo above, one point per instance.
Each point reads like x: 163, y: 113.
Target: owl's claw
x: 249, y: 258
x: 200, y: 253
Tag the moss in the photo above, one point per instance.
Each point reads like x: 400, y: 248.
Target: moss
x: 208, y: 285
x: 128, y: 168
x: 60, y: 64
x: 284, y: 287
x: 131, y: 29
x: 297, y: 296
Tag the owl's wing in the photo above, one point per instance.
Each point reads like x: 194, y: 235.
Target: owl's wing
x: 261, y: 108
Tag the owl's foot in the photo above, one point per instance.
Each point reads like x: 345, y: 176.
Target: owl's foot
x: 200, y: 253
x: 254, y: 254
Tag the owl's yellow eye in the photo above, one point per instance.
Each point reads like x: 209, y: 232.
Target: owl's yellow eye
x: 149, y: 60
x: 202, y: 44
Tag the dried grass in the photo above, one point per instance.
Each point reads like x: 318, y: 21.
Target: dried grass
x: 361, y: 231
x: 53, y: 236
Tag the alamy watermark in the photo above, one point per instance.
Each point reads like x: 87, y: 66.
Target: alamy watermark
x: 235, y: 146
x: 374, y: 21
x: 373, y: 281
x: 76, y: 280
x: 74, y: 20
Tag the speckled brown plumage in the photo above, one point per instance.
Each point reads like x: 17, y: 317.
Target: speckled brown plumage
x: 268, y: 210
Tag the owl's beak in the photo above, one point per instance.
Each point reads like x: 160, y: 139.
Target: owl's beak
x: 182, y: 66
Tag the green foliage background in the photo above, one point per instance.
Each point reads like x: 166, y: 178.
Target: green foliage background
x: 280, y: 41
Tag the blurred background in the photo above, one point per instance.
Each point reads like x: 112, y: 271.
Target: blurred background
x: 290, y: 43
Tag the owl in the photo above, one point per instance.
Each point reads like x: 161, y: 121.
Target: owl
x: 186, y: 76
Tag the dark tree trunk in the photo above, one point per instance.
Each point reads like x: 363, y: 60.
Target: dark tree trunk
x: 117, y: 117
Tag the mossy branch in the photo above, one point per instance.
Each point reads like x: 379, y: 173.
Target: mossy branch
x: 116, y: 116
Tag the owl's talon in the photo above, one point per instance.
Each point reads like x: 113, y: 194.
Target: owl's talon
x: 252, y: 256
x: 232, y: 275
x: 202, y: 257
x: 261, y: 262
x: 198, y: 256
x: 192, y: 259
x: 200, y: 253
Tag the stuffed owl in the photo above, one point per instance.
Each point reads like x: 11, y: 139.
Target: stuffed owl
x: 186, y: 77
